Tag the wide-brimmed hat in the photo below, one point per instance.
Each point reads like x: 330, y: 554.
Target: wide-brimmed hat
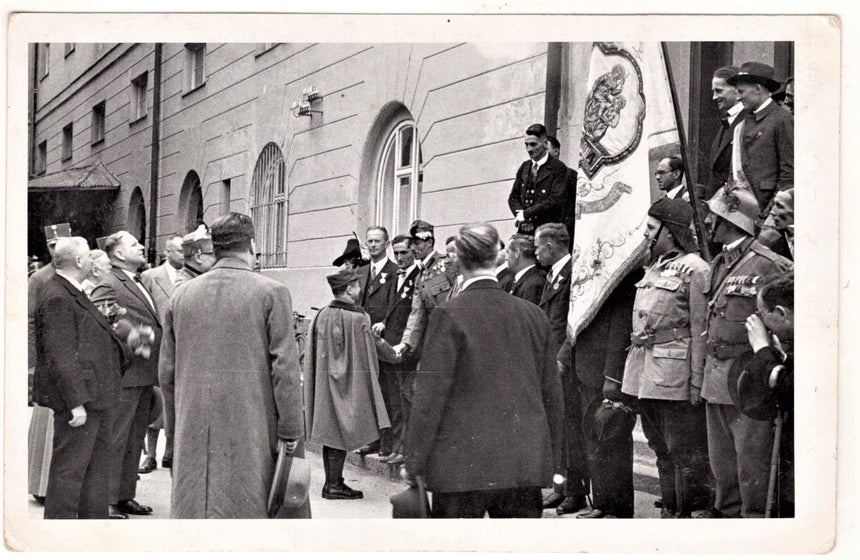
x: 605, y: 421
x: 291, y: 481
x: 352, y: 251
x: 749, y: 391
x: 412, y: 503
x: 421, y: 230
x: 755, y: 73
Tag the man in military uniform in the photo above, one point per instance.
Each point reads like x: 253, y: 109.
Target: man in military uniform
x: 198, y: 253
x: 539, y: 192
x: 667, y: 356
x: 739, y: 447
x: 435, y: 281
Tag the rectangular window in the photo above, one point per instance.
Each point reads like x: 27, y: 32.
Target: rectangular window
x: 41, y: 162
x: 225, y: 196
x: 138, y: 97
x: 68, y: 48
x: 263, y: 47
x: 98, y: 124
x: 67, y: 142
x: 194, y: 65
x: 44, y: 59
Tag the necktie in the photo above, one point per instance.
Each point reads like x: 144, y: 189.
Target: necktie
x: 534, y: 170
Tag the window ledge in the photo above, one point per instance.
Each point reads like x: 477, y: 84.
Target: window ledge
x: 97, y: 142
x: 138, y: 119
x: 195, y: 88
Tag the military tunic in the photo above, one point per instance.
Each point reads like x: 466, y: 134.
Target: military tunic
x: 432, y: 287
x: 666, y: 359
x: 739, y: 447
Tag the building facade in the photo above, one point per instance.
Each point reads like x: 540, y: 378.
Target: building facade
x: 314, y: 141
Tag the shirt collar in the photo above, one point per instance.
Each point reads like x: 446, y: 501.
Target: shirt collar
x: 542, y: 160
x: 474, y: 279
x: 171, y: 273
x: 428, y: 258
x: 733, y: 111
x: 129, y: 274
x: 556, y: 268
x: 763, y: 105
x: 71, y: 280
x: 409, y: 270
x: 378, y: 266
x: 520, y: 274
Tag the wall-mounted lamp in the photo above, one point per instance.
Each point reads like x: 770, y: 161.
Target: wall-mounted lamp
x: 302, y: 108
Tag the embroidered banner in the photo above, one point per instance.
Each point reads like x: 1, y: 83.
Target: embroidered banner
x: 628, y: 126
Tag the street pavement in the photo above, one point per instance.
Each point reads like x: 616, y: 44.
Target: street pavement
x: 378, y: 483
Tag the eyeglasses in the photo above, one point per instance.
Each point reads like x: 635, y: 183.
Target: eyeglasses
x: 661, y: 173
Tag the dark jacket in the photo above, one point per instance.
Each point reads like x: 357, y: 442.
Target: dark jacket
x: 542, y: 200
x: 555, y: 302
x: 121, y: 289
x: 530, y: 286
x: 376, y: 294
x: 79, y: 359
x: 487, y: 409
x: 767, y: 153
x: 720, y: 158
x: 399, y: 307
x: 601, y: 348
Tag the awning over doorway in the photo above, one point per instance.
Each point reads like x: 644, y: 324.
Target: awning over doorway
x: 94, y: 176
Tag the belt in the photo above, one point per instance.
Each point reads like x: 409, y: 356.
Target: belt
x: 659, y: 337
x: 727, y: 351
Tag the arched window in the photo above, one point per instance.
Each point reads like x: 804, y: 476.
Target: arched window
x: 269, y: 207
x: 136, y: 222
x: 399, y: 178
x: 191, y: 202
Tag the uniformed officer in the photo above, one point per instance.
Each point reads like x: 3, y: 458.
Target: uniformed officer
x: 539, y: 193
x: 738, y: 446
x: 667, y: 357
x: 435, y: 281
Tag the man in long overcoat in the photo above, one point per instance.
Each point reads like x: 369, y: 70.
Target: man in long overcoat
x: 344, y: 405
x: 231, y: 380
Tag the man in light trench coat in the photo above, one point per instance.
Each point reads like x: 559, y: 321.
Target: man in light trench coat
x: 231, y: 380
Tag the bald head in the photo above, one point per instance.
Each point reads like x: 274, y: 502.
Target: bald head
x: 72, y: 257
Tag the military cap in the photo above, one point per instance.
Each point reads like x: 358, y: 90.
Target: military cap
x: 750, y: 393
x: 197, y: 240
x: 55, y: 232
x: 342, y: 278
x: 755, y: 73
x: 421, y: 230
x: 608, y: 421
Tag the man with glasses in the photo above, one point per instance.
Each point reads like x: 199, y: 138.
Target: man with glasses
x: 199, y: 255
x: 670, y: 177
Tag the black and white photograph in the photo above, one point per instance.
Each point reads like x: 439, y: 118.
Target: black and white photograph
x: 350, y: 288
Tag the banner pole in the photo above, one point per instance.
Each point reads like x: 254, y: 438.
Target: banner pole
x: 682, y: 138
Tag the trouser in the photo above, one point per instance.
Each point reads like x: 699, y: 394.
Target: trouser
x: 79, y: 466
x: 739, y: 449
x: 391, y: 441
x: 128, y: 423
x: 575, y: 456
x: 502, y: 503
x: 40, y: 439
x: 610, y: 464
x: 406, y: 375
x: 677, y: 433
x: 156, y: 423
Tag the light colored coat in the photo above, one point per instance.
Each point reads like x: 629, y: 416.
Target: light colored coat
x: 157, y: 282
x: 231, y: 380
x: 671, y: 295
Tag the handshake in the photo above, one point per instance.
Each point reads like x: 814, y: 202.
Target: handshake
x: 387, y: 353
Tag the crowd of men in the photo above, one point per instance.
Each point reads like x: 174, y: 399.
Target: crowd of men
x: 457, y: 366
